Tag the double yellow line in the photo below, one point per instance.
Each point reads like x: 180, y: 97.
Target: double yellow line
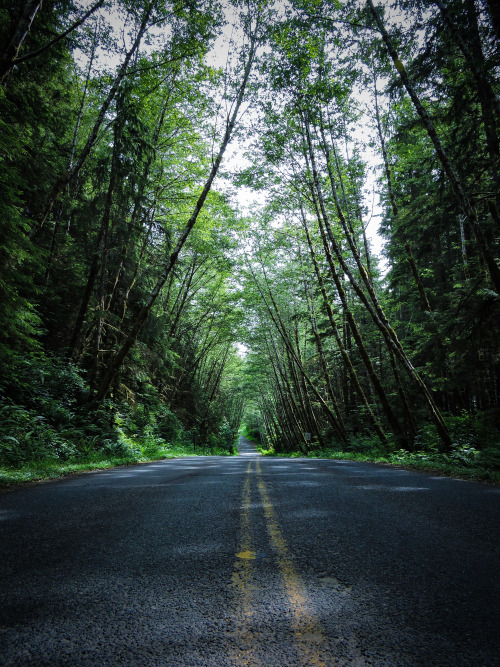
x: 306, y: 630
x: 242, y: 576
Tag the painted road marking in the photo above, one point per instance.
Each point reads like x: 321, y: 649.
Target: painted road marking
x: 308, y: 636
x: 307, y: 630
x: 251, y: 555
x: 247, y: 555
x: 241, y: 580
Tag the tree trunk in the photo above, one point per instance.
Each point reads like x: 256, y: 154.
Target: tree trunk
x: 345, y: 356
x: 458, y: 189
x: 324, y: 224
x: 494, y: 11
x: 323, y: 362
x: 119, y: 357
x: 15, y: 39
x: 376, y: 312
x: 64, y: 179
x: 94, y: 267
x: 280, y: 327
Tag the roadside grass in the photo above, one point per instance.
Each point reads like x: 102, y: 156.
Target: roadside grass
x: 419, y: 461
x: 46, y: 469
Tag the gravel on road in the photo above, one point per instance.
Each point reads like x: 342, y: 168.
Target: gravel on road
x: 250, y: 560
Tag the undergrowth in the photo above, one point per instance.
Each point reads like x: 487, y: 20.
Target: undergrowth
x: 48, y: 429
x: 420, y: 461
x: 53, y: 469
x: 250, y: 433
x: 475, y: 453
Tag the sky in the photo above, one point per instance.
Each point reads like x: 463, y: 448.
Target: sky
x: 245, y: 198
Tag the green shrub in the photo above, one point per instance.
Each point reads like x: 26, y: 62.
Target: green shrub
x: 168, y: 426
x: 29, y: 437
x: 43, y: 382
x: 226, y: 436
x: 490, y: 457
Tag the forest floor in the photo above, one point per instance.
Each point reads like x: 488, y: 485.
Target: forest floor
x: 207, y: 561
x: 427, y: 465
x: 417, y: 461
x: 53, y: 469
x: 433, y: 463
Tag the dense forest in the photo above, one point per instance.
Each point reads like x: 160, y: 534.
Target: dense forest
x: 193, y: 196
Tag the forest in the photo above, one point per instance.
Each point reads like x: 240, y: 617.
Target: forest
x: 277, y: 218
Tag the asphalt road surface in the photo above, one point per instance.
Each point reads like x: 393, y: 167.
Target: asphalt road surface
x: 250, y: 561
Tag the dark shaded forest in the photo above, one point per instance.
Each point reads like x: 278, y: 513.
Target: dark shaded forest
x: 148, y: 308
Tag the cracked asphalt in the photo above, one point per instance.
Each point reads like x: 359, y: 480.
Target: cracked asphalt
x: 250, y: 561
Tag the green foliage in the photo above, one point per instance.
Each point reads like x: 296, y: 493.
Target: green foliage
x: 43, y: 422
x: 80, y: 259
x: 469, y: 467
x: 267, y: 452
x: 38, y: 417
x: 252, y: 426
x: 169, y: 427
x: 471, y: 434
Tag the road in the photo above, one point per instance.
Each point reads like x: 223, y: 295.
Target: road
x: 250, y: 561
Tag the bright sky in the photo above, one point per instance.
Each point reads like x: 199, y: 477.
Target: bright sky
x: 246, y: 198
x: 218, y: 57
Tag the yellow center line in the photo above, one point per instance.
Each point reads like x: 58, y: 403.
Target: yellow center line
x: 307, y: 630
x: 241, y: 579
